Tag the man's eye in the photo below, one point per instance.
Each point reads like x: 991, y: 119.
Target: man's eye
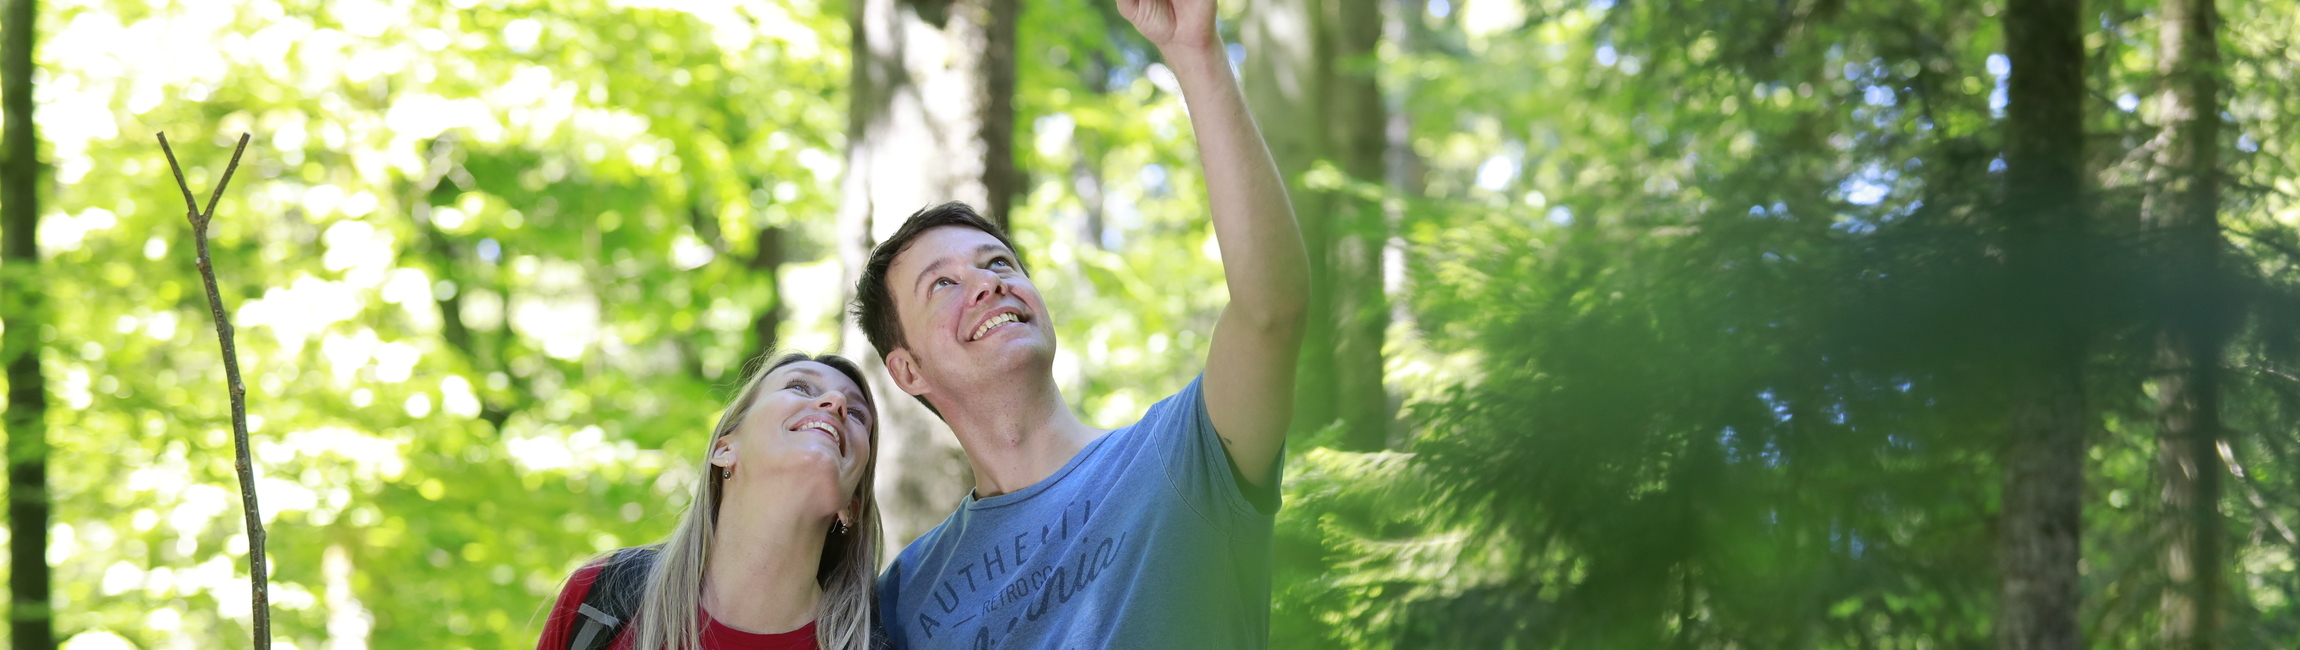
x: 939, y: 282
x: 1000, y: 262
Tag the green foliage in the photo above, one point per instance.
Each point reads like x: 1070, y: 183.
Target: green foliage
x: 1701, y: 339
x: 583, y: 184
x: 1737, y: 337
x: 1090, y: 111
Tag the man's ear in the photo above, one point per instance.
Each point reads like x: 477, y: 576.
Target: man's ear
x: 903, y: 367
x: 723, y: 451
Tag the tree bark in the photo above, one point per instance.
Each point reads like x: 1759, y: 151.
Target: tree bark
x: 1092, y: 146
x: 2182, y: 204
x: 1001, y: 180
x: 23, y: 308
x: 1407, y: 173
x: 1281, y: 76
x: 1359, y: 141
x: 768, y: 261
x: 2039, y: 528
x: 1306, y: 59
x: 2038, y: 531
x: 931, y: 120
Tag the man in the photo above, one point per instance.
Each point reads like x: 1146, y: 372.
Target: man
x: 1152, y: 535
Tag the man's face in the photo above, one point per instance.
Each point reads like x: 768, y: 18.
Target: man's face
x: 967, y: 311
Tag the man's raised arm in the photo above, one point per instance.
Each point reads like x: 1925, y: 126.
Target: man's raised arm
x: 1249, y: 382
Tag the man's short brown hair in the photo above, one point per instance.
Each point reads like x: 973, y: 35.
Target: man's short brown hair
x: 874, y: 302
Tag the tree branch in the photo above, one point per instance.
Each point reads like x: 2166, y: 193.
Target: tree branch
x: 257, y: 575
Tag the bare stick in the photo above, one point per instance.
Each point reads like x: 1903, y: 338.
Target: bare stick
x: 256, y: 574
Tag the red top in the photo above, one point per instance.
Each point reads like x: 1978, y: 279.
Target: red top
x: 560, y: 628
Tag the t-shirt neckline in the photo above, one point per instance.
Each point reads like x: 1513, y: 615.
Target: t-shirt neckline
x: 713, y: 628
x: 1025, y: 494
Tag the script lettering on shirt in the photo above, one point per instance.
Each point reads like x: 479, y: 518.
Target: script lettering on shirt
x: 1003, y: 561
x: 1069, y: 581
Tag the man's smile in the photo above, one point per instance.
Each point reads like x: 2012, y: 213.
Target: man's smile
x: 996, y: 319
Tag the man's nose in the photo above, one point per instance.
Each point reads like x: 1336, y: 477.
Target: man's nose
x: 985, y: 285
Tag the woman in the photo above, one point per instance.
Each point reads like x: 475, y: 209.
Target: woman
x: 779, y: 546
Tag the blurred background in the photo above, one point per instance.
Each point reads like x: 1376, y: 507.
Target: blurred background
x: 1679, y: 324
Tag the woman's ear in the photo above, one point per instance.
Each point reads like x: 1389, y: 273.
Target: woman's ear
x: 723, y: 451
x: 903, y: 368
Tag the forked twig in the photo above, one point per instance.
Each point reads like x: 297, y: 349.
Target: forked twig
x: 256, y: 572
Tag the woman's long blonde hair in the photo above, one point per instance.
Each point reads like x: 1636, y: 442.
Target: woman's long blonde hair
x: 666, y: 617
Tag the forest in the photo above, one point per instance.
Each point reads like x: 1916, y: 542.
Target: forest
x: 1716, y: 324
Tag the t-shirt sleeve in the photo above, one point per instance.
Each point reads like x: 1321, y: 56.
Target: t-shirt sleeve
x: 559, y: 628
x: 883, y: 625
x: 1201, y: 471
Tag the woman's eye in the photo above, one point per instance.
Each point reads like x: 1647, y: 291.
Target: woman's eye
x: 940, y: 282
x: 803, y: 388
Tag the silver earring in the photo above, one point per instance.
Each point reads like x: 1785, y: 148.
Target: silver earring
x: 842, y: 526
x: 726, y: 473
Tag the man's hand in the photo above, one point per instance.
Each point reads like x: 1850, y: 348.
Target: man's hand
x: 1172, y: 24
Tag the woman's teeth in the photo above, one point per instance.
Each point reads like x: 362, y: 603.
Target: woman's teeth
x: 826, y: 428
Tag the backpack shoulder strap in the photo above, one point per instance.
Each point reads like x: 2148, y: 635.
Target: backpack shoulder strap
x: 613, y: 598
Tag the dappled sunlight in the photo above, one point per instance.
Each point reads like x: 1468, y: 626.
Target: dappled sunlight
x: 1688, y: 325
x: 581, y: 450
x: 303, y: 309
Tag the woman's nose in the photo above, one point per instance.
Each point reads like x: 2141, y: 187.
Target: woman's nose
x: 833, y: 402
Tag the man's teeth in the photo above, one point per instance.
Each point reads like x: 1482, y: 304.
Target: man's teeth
x: 994, y: 321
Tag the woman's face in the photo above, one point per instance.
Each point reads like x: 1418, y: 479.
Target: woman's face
x: 809, y: 422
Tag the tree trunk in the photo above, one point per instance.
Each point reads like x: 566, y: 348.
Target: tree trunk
x: 22, y: 307
x: 2039, y: 528
x: 2182, y: 204
x: 768, y: 261
x: 1092, y: 145
x: 1407, y: 172
x: 931, y: 121
x: 1308, y: 59
x: 2188, y: 459
x: 1359, y: 144
x: 1281, y: 76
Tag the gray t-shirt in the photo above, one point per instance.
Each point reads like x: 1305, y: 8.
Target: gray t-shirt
x: 1145, y: 539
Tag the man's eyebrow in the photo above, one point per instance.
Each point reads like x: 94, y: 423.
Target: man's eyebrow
x: 927, y: 272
